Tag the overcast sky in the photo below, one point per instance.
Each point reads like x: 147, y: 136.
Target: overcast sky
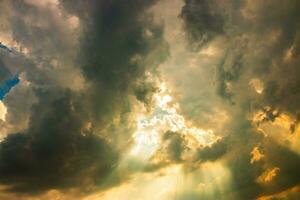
x: 149, y: 99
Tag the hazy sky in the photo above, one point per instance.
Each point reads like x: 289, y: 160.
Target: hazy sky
x: 150, y: 99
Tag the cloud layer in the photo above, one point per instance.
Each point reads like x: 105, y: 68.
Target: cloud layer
x: 119, y: 98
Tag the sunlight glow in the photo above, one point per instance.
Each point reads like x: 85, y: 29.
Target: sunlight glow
x: 3, y: 111
x: 268, y: 175
x: 147, y: 186
x: 283, y: 129
x: 257, y: 85
x: 256, y: 155
x: 164, y: 118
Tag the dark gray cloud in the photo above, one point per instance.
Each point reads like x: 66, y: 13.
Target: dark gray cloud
x: 288, y: 163
x: 114, y: 57
x: 213, y: 152
x: 71, y: 140
x: 259, y: 40
x: 4, y: 73
x: 72, y: 112
x: 54, y: 152
x: 174, y: 145
x: 175, y: 148
x: 171, y: 151
x: 202, y: 21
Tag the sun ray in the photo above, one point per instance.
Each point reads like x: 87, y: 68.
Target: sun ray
x: 165, y: 117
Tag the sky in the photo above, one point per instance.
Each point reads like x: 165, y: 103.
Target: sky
x: 149, y: 99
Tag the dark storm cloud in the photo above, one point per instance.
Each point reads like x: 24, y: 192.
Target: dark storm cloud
x: 41, y: 38
x: 213, y: 152
x: 4, y: 72
x: 171, y: 150
x: 288, y: 163
x: 174, y: 145
x: 248, y: 28
x: 202, y: 21
x: 114, y: 56
x: 61, y: 147
x: 175, y: 148
x: 144, y: 93
x: 282, y: 84
x: 241, y: 141
x: 228, y: 71
x: 53, y: 152
x: 259, y: 40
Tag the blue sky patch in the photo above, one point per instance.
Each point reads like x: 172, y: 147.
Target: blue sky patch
x: 8, y: 85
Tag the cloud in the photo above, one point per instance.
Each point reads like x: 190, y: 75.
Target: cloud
x: 202, y: 21
x: 53, y: 153
x: 89, y: 71
x: 115, y: 55
x: 5, y: 47
x: 253, y: 44
x: 71, y: 139
x: 173, y: 147
x: 213, y: 152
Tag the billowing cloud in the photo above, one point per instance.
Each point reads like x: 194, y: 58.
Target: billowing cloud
x: 71, y: 138
x: 53, y: 153
x: 255, y: 74
x: 165, y: 99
